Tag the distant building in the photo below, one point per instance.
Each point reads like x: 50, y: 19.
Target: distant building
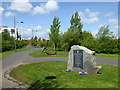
x: 10, y: 30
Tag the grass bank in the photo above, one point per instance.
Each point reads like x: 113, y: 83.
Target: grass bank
x: 52, y: 74
x: 108, y: 56
x: 2, y: 55
x: 39, y: 54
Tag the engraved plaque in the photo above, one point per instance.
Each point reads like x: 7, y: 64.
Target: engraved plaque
x: 78, y: 58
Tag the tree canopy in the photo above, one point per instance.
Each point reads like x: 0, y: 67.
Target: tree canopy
x: 54, y: 31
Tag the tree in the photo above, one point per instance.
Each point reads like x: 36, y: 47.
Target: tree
x: 5, y: 35
x: 104, y: 34
x: 74, y: 34
x: 8, y: 41
x: 54, y: 32
x: 106, y: 41
x: 88, y: 40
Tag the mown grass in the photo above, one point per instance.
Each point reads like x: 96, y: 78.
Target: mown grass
x: 39, y: 54
x: 108, y: 56
x: 38, y: 75
x: 2, y: 55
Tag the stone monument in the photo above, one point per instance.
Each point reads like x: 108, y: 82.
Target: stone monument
x: 82, y: 59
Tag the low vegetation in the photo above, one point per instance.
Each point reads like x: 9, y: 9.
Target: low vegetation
x: 8, y: 42
x: 107, y: 56
x: 39, y: 54
x: 52, y: 74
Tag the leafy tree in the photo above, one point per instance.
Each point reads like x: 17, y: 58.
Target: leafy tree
x: 8, y: 42
x: 54, y: 32
x: 88, y: 40
x: 5, y: 35
x: 74, y: 34
x: 104, y: 34
x: 35, y: 40
x: 106, y: 41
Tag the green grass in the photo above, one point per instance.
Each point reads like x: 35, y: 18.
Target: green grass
x: 39, y: 54
x: 108, y: 56
x: 2, y: 55
x: 35, y: 74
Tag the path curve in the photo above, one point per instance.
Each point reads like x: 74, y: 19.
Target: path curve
x: 22, y: 57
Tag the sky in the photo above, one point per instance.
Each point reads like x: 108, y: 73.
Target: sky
x: 39, y: 16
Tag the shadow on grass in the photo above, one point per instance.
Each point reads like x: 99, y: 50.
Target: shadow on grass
x: 48, y: 82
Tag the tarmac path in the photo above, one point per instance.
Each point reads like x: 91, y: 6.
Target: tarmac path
x: 22, y: 57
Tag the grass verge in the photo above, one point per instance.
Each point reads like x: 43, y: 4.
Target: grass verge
x: 108, y: 56
x: 52, y: 74
x: 39, y: 54
x: 2, y: 55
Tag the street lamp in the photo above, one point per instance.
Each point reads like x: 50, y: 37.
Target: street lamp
x: 32, y: 36
x: 15, y: 32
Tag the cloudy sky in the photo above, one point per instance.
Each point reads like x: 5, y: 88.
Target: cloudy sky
x: 39, y: 16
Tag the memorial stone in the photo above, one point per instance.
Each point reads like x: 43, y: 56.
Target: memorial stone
x: 82, y: 59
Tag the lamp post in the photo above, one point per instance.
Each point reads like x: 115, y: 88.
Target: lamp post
x: 15, y: 32
x: 32, y: 35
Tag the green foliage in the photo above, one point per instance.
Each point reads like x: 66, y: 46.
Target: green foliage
x: 8, y: 42
x: 54, y: 32
x: 104, y: 34
x: 40, y: 54
x: 74, y: 34
x: 88, y: 40
x: 106, y: 42
x: 42, y: 43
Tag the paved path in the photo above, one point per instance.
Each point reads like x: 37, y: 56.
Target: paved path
x: 23, y: 58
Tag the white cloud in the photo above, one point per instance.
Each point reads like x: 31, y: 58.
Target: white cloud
x: 91, y: 20
x: 81, y: 14
x: 21, y: 6
x: 113, y: 21
x: 109, y: 14
x: 9, y: 14
x: 50, y: 6
x: 39, y: 10
x: 92, y: 14
x: 38, y: 31
x: 100, y: 26
x: 1, y: 10
x: 117, y: 27
x: 24, y: 6
x: 89, y: 16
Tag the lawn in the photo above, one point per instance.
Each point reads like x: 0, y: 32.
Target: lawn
x: 52, y: 74
x: 108, y: 56
x: 39, y: 54
x: 2, y: 55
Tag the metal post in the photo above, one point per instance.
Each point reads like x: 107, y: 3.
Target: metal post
x: 32, y: 37
x: 15, y: 34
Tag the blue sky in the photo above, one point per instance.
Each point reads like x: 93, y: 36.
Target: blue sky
x: 39, y: 15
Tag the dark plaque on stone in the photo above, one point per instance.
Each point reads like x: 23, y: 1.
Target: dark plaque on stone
x: 78, y: 58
